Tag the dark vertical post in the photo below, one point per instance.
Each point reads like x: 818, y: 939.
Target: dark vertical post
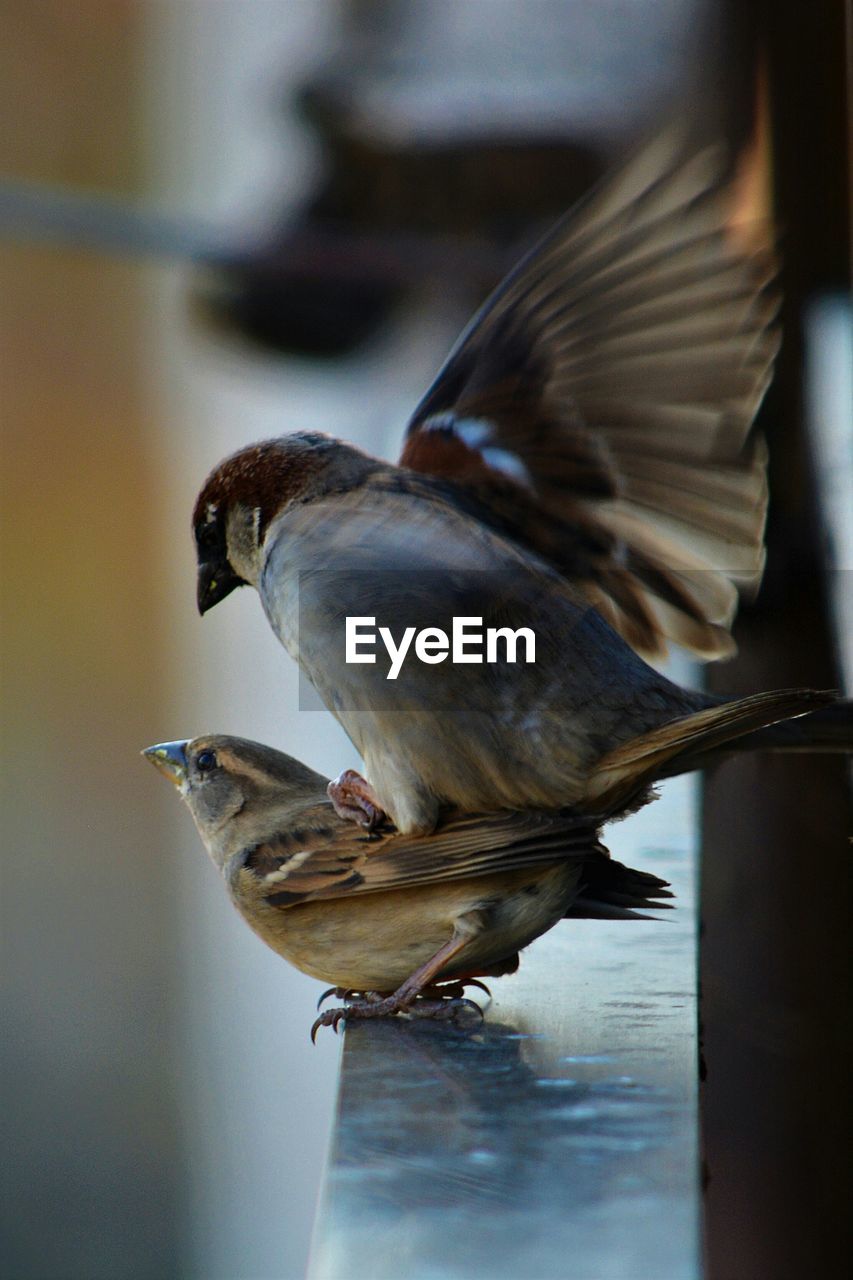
x: 776, y: 851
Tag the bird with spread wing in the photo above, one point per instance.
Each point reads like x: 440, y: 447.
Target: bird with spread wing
x: 582, y: 466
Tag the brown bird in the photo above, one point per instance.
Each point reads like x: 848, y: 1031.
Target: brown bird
x: 580, y: 469
x: 389, y: 915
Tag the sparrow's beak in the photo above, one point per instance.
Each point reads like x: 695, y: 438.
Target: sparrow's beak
x: 171, y: 759
x: 216, y: 580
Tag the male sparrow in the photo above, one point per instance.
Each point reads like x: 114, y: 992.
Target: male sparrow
x: 580, y: 468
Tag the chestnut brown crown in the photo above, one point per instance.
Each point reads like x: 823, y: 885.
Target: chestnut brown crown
x: 262, y: 479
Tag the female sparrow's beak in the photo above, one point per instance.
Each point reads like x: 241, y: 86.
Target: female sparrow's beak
x: 171, y: 759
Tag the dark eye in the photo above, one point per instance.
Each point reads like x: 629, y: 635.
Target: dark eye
x: 205, y: 761
x: 208, y: 536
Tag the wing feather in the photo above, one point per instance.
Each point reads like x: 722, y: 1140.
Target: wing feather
x: 599, y: 403
x: 335, y: 860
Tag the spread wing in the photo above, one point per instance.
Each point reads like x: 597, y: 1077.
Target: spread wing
x: 599, y: 404
x: 332, y: 859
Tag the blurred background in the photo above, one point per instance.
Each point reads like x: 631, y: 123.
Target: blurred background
x: 222, y: 220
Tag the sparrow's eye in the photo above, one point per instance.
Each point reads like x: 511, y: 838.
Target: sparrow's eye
x: 205, y: 761
x: 208, y: 536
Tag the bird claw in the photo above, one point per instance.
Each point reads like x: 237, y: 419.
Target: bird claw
x: 455, y: 988
x: 349, y: 993
x: 341, y: 993
x: 371, y: 1004
x: 475, y: 982
x: 330, y: 1018
x: 445, y: 1009
x: 354, y: 800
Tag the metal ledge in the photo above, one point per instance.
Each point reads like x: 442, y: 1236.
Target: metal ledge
x: 559, y: 1138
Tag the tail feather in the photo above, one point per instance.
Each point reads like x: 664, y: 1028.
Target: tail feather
x: 828, y: 730
x: 612, y: 891
x: 687, y: 743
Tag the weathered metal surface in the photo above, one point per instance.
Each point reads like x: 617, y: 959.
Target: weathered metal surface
x: 556, y: 1139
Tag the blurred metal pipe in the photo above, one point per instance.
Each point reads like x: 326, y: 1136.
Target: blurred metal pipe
x: 36, y: 212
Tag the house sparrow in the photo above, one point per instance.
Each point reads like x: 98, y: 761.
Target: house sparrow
x: 579, y: 468
x: 389, y: 915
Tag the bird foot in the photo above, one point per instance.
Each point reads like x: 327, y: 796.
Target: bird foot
x: 454, y: 989
x: 446, y: 1005
x: 444, y: 1009
x: 355, y: 800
